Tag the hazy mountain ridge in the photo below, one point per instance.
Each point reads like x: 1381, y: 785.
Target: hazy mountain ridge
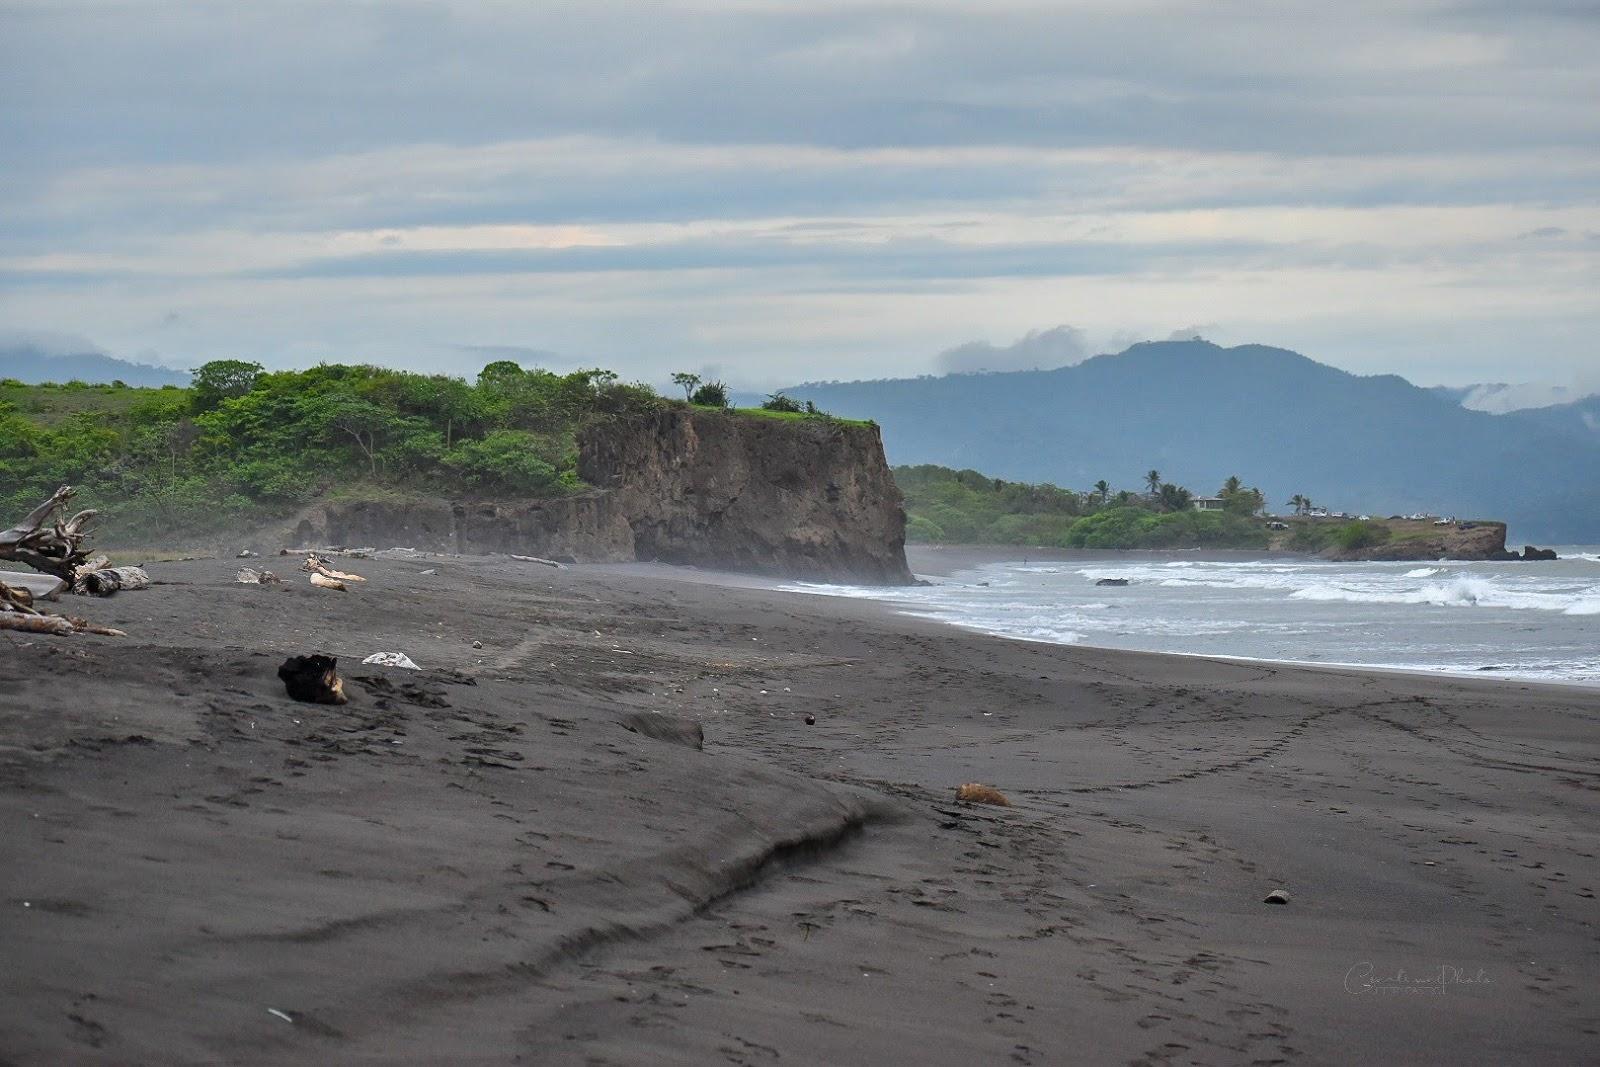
x: 33, y: 365
x: 1199, y: 412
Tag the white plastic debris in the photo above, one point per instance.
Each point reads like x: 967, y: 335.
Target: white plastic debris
x: 392, y: 659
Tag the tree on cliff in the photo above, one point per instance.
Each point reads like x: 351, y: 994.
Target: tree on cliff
x: 689, y: 382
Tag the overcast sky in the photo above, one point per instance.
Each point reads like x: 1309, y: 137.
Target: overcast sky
x: 774, y: 191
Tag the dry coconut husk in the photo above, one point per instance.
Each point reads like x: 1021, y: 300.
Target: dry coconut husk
x: 978, y: 793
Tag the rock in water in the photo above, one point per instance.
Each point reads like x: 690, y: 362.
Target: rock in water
x: 1277, y: 896
x: 313, y: 679
x: 1112, y: 581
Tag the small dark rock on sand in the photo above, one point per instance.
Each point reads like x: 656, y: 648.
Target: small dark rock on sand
x: 313, y: 679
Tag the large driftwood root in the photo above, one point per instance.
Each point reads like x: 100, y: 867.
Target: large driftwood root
x: 45, y: 541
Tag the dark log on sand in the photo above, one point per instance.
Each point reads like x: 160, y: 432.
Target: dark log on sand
x: 46, y: 542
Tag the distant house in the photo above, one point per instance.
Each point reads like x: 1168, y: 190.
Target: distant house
x: 1208, y: 503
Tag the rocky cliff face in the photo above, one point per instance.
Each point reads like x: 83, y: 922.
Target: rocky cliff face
x: 797, y: 498
x: 1420, y: 541
x: 807, y: 498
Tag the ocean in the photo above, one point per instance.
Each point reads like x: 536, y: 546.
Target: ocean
x: 1537, y: 621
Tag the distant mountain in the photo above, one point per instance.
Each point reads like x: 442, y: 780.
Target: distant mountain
x: 1580, y: 419
x: 33, y: 364
x: 1198, y: 413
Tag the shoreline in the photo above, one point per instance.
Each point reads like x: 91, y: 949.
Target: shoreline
x: 610, y: 834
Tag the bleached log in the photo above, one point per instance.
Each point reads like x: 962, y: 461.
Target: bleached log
x: 314, y: 564
x: 322, y: 581
x: 539, y: 560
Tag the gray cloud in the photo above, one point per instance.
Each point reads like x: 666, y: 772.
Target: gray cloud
x: 1351, y: 179
x: 1059, y: 346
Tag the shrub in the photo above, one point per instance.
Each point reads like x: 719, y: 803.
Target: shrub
x: 779, y: 402
x: 1353, y: 536
x: 711, y: 395
x: 507, y: 461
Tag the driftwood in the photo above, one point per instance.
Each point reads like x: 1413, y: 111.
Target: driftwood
x: 45, y: 541
x: 540, y: 560
x: 322, y: 581
x: 103, y: 581
x: 314, y: 564
x: 18, y: 613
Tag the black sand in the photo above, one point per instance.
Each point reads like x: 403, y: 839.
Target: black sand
x: 197, y: 869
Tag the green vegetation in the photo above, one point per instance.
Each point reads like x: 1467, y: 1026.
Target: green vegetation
x: 1129, y: 527
x: 966, y: 507
x: 242, y: 445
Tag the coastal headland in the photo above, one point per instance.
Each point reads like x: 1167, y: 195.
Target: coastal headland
x: 632, y: 814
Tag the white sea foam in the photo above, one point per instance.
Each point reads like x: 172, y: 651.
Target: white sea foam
x: 1531, y: 622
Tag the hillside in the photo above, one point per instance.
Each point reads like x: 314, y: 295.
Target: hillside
x: 32, y: 365
x: 1198, y: 413
x: 579, y: 465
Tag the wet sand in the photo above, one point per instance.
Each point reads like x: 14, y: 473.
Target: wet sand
x: 522, y: 855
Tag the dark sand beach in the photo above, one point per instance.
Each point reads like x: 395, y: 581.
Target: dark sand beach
x: 520, y: 854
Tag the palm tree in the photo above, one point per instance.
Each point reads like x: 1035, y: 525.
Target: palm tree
x: 1231, y: 486
x: 1153, y: 480
x: 1103, y: 487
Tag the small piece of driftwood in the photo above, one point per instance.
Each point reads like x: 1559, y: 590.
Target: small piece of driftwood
x: 322, y: 581
x: 539, y: 560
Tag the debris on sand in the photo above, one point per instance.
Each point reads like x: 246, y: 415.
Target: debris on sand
x: 978, y: 793
x: 18, y: 613
x: 392, y: 659
x: 322, y: 581
x: 313, y: 679
x: 539, y: 560
x: 251, y: 576
x: 104, y: 581
x: 316, y: 566
x: 1277, y: 896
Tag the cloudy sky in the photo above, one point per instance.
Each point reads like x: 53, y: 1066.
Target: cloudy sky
x: 777, y: 191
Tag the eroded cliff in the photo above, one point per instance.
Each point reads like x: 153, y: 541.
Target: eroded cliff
x: 803, y: 498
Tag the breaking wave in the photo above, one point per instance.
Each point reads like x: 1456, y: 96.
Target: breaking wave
x: 1463, y: 592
